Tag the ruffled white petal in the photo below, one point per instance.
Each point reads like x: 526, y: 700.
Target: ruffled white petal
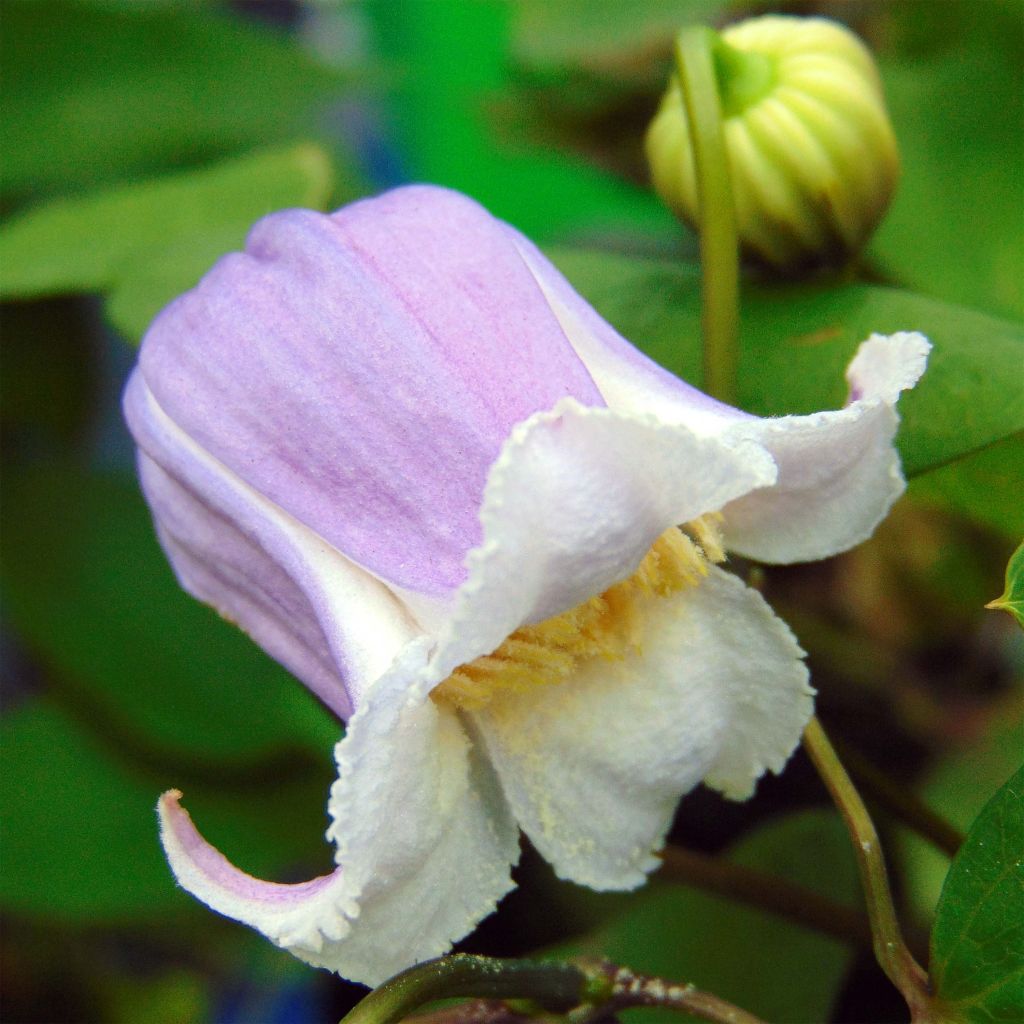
x: 424, y: 839
x: 756, y: 671
x: 839, y: 473
x: 594, y: 768
x: 574, y: 502
x: 886, y: 365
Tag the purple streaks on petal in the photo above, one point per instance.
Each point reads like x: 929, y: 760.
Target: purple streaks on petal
x: 204, y: 860
x: 363, y: 370
x: 324, y: 618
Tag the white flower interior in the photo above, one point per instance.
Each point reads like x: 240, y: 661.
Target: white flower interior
x: 604, y: 626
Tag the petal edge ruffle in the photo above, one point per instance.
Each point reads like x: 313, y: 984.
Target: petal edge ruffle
x: 424, y: 845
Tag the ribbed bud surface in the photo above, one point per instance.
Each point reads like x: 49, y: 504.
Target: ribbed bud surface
x: 813, y: 157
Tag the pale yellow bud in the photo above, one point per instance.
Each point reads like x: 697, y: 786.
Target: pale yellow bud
x: 812, y: 153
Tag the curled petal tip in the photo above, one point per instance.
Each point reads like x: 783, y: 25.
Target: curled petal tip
x: 886, y: 365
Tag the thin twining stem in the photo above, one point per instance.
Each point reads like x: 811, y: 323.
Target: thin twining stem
x: 902, y: 804
x: 890, y: 950
x: 629, y: 989
x: 555, y: 986
x: 588, y: 991
x: 767, y: 892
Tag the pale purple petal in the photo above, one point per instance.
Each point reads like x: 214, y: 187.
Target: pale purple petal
x: 323, y: 617
x: 628, y: 380
x: 363, y: 370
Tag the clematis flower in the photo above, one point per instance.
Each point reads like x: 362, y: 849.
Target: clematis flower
x: 398, y: 449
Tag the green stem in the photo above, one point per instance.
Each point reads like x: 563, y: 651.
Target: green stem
x: 719, y: 250
x: 554, y: 986
x: 628, y: 990
x: 902, y: 804
x: 890, y: 950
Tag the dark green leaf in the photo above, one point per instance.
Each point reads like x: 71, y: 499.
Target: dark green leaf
x: 984, y: 486
x: 559, y: 38
x: 751, y: 958
x: 1012, y: 599
x: 957, y: 788
x: 145, y: 243
x: 87, y: 587
x: 48, y: 380
x: 977, y: 962
x: 96, y: 92
x: 80, y: 831
x: 797, y: 341
x: 586, y: 75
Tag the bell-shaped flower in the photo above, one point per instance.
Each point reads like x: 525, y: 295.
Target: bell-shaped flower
x: 398, y: 449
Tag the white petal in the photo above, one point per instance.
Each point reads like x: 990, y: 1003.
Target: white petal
x: 885, y: 365
x: 421, y: 826
x: 839, y: 473
x: 424, y: 839
x: 594, y: 768
x: 574, y: 502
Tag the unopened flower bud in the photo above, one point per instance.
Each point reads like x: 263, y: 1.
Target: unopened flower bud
x: 812, y: 153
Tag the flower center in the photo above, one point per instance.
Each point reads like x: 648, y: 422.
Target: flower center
x: 606, y: 626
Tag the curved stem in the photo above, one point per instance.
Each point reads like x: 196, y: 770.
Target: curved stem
x: 555, y: 986
x: 766, y: 892
x: 890, y: 950
x: 719, y: 250
x: 902, y: 804
x: 629, y: 989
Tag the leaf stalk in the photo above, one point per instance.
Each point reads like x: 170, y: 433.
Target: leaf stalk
x: 891, y: 952
x: 719, y: 244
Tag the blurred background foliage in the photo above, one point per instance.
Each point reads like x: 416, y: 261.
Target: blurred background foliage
x: 140, y: 140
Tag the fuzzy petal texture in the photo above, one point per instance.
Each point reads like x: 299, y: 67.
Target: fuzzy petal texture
x: 425, y: 844
x: 594, y: 768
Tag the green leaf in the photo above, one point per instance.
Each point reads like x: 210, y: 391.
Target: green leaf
x: 147, y: 242
x: 559, y: 38
x: 984, y: 486
x: 955, y: 90
x: 455, y: 61
x: 796, y: 342
x: 977, y: 961
x: 958, y: 788
x: 751, y: 958
x: 80, y: 831
x: 97, y: 92
x: 89, y: 590
x: 1012, y: 599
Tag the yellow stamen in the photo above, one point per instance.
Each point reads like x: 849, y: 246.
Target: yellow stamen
x: 606, y: 626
